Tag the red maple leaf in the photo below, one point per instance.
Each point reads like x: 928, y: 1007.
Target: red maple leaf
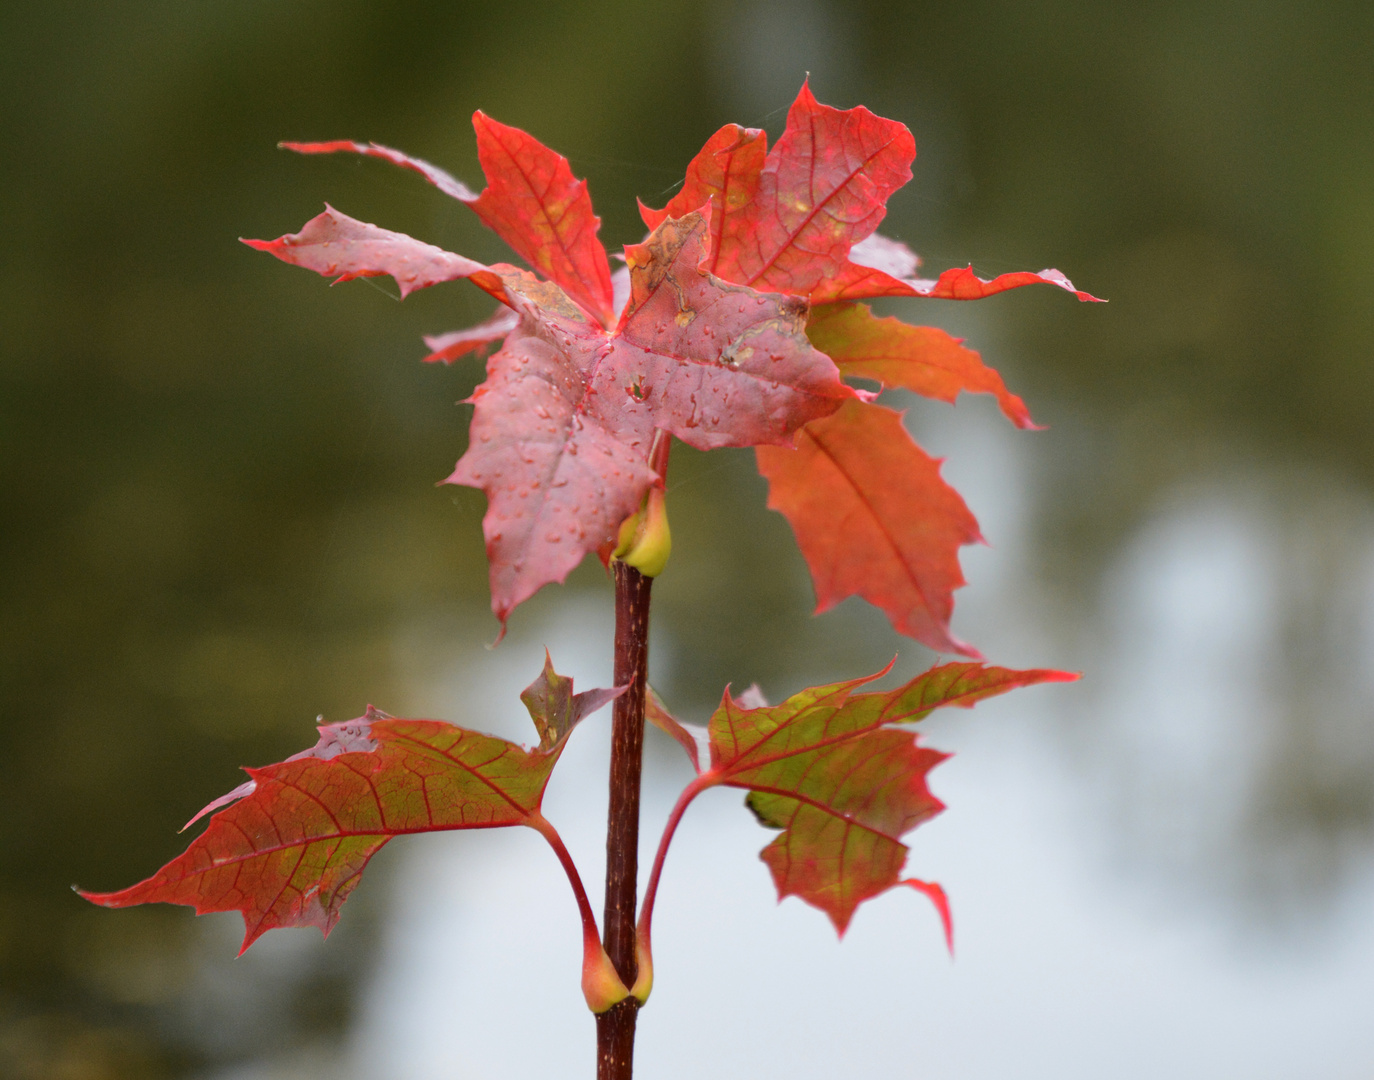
x: 798, y: 215
x: 874, y: 518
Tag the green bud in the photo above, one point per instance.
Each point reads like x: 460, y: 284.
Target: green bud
x: 645, y: 541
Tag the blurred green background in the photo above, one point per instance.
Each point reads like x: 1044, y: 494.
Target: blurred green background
x: 218, y: 475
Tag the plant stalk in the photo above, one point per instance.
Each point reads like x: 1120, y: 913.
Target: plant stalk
x: 615, y: 1028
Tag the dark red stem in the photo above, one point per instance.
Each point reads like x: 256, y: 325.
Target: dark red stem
x: 615, y: 1028
x: 695, y: 788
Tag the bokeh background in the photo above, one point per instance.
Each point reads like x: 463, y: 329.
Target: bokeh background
x: 220, y: 520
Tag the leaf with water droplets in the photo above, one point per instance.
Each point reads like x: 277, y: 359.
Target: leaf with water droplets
x: 563, y: 424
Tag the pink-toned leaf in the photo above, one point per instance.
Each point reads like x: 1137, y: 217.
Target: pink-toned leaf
x: 446, y: 348
x: 559, y: 469
x: 334, y: 244
x: 534, y: 203
x: 726, y: 171
x: 722, y: 365
x: 564, y: 422
x: 919, y: 358
x: 293, y: 843
x: 831, y: 770
x: 449, y: 185
x: 873, y: 517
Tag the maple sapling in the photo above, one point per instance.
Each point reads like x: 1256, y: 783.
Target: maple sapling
x: 734, y: 323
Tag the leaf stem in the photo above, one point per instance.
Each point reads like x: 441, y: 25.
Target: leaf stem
x: 646, y: 912
x: 541, y: 825
x: 601, y: 986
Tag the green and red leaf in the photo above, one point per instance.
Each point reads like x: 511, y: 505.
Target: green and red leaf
x: 290, y: 845
x: 833, y: 771
x: 555, y: 709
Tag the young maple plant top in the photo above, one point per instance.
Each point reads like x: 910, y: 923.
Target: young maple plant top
x: 734, y: 323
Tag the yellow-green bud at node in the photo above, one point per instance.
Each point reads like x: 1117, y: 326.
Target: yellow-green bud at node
x: 645, y: 541
x: 601, y: 985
